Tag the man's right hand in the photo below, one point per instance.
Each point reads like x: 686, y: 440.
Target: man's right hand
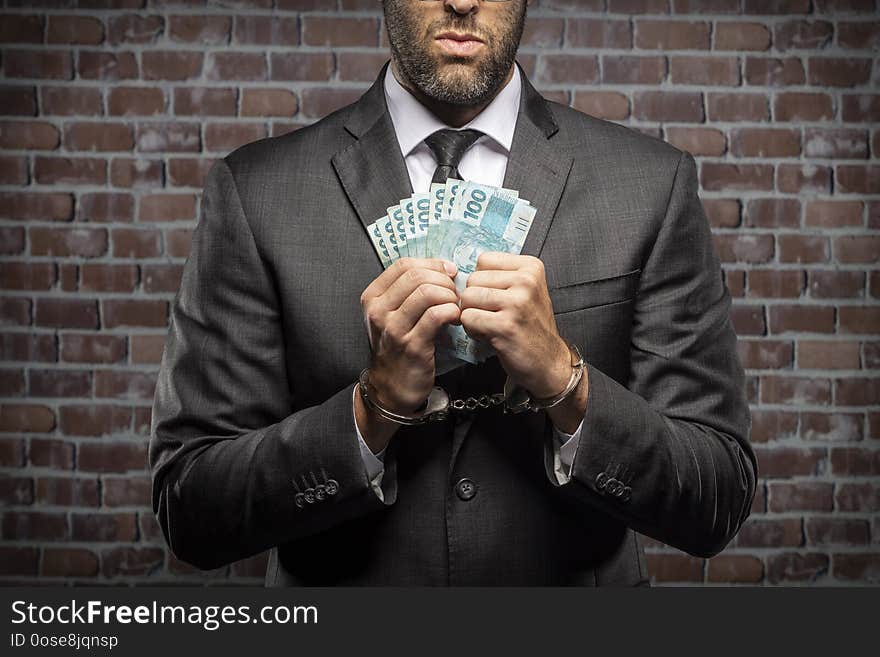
x: 404, y: 309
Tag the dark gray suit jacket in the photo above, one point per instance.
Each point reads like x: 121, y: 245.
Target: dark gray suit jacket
x: 267, y: 339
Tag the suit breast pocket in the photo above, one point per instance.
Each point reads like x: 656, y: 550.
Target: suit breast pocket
x: 592, y: 294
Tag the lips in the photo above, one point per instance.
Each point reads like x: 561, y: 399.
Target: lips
x: 460, y: 44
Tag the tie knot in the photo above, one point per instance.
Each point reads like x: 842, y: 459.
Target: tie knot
x: 450, y: 145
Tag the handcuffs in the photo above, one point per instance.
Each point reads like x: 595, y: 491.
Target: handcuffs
x: 438, y: 406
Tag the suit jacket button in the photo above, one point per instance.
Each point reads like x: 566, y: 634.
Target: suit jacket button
x: 465, y: 489
x: 601, y: 480
x: 332, y: 487
x: 309, y: 494
x: 320, y: 492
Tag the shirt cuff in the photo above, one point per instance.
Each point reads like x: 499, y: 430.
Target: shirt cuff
x: 374, y: 464
x: 564, y: 449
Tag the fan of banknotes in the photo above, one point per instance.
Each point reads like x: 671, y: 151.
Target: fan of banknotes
x: 457, y: 220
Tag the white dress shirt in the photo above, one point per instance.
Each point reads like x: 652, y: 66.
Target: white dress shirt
x: 484, y: 162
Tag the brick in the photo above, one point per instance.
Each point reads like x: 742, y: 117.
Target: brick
x: 798, y: 106
x: 188, y: 172
x: 21, y: 29
x: 161, y: 137
x: 11, y: 240
x: 864, y: 320
x: 136, y: 243
x: 748, y: 320
x: 828, y: 284
x: 855, y: 461
x: 178, y: 242
x: 127, y: 491
x: 777, y: 7
x: 49, y: 453
x: 225, y: 137
x: 359, y: 66
x: 864, y: 568
x: 167, y: 207
x: 765, y: 354
x: 844, y: 6
x: 831, y: 427
x: 140, y: 173
x: 598, y: 33
x: 18, y: 100
x: 44, y: 64
x: 859, y: 35
x: 723, y: 212
x: 806, y: 319
x: 70, y: 101
x: 18, y: 560
x: 839, y: 71
x: 608, y: 105
x: 129, y: 561
x: 765, y: 142
x: 573, y: 69
x: 785, y: 532
x: 340, y: 32
x: 27, y: 347
x: 717, y: 176
x: 638, y: 6
x: 202, y: 30
x: 68, y: 563
x: 15, y: 312
x: 66, y: 491
x: 737, y: 107
x: 803, y: 248
x: 205, y: 101
x: 94, y: 420
x: 671, y: 35
x: 268, y: 102
x: 796, y: 178
x: 855, y: 179
x: 248, y: 66
x: 698, y: 141
x: 837, y: 143
x: 85, y: 242
x: 70, y: 170
x: 774, y: 72
x: 784, y: 462
x: 860, y: 497
x: 78, y: 30
x: 66, y: 313
x: 735, y: 281
x: 134, y: 28
x: 40, y: 526
x: 171, y: 64
x: 773, y: 213
x: 715, y: 71
x: 301, y: 66
x: 28, y: 135
x: 627, y: 69
x: 751, y: 248
x: 318, y: 101
x: 792, y: 567
x: 147, y: 348
x: 800, y: 34
x: 102, y: 65
x: 103, y: 527
x: 16, y: 491
x: 112, y: 456
x: 795, y: 390
x: 11, y: 385
x: 133, y: 312
x: 674, y: 568
x: 543, y: 33
x: 837, y: 531
x: 741, y: 36
x: 266, y: 30
x: 772, y: 426
x: 668, y: 106
x: 105, y: 207
x: 772, y: 284
x: 118, y: 384
x: 835, y: 214
x: 735, y: 569
x: 36, y: 206
x: 862, y: 249
x: 135, y: 101
x: 59, y: 383
x: 827, y: 355
x: 96, y: 136
x: 89, y: 348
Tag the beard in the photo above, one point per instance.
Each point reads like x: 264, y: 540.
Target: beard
x: 447, y: 78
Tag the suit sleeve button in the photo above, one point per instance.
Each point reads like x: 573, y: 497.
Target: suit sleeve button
x: 332, y: 487
x: 601, y: 480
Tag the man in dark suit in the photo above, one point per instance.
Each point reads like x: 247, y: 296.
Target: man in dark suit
x: 262, y: 437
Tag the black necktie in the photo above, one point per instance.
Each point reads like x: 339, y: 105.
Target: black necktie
x: 449, y: 147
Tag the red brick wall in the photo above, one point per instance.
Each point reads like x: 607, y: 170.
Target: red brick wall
x: 111, y: 114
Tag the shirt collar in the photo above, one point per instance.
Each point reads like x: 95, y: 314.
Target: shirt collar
x: 413, y: 121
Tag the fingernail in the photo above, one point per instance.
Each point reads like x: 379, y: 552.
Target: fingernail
x: 450, y: 267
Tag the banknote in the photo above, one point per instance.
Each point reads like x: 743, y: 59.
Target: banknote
x: 456, y: 220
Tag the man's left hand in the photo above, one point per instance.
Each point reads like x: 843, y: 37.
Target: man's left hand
x: 507, y: 305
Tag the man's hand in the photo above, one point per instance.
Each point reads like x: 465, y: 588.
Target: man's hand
x: 507, y: 305
x: 404, y: 309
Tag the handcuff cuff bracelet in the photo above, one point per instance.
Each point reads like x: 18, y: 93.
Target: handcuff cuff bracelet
x: 438, y: 406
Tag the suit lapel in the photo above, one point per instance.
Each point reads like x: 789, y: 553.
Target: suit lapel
x: 371, y: 169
